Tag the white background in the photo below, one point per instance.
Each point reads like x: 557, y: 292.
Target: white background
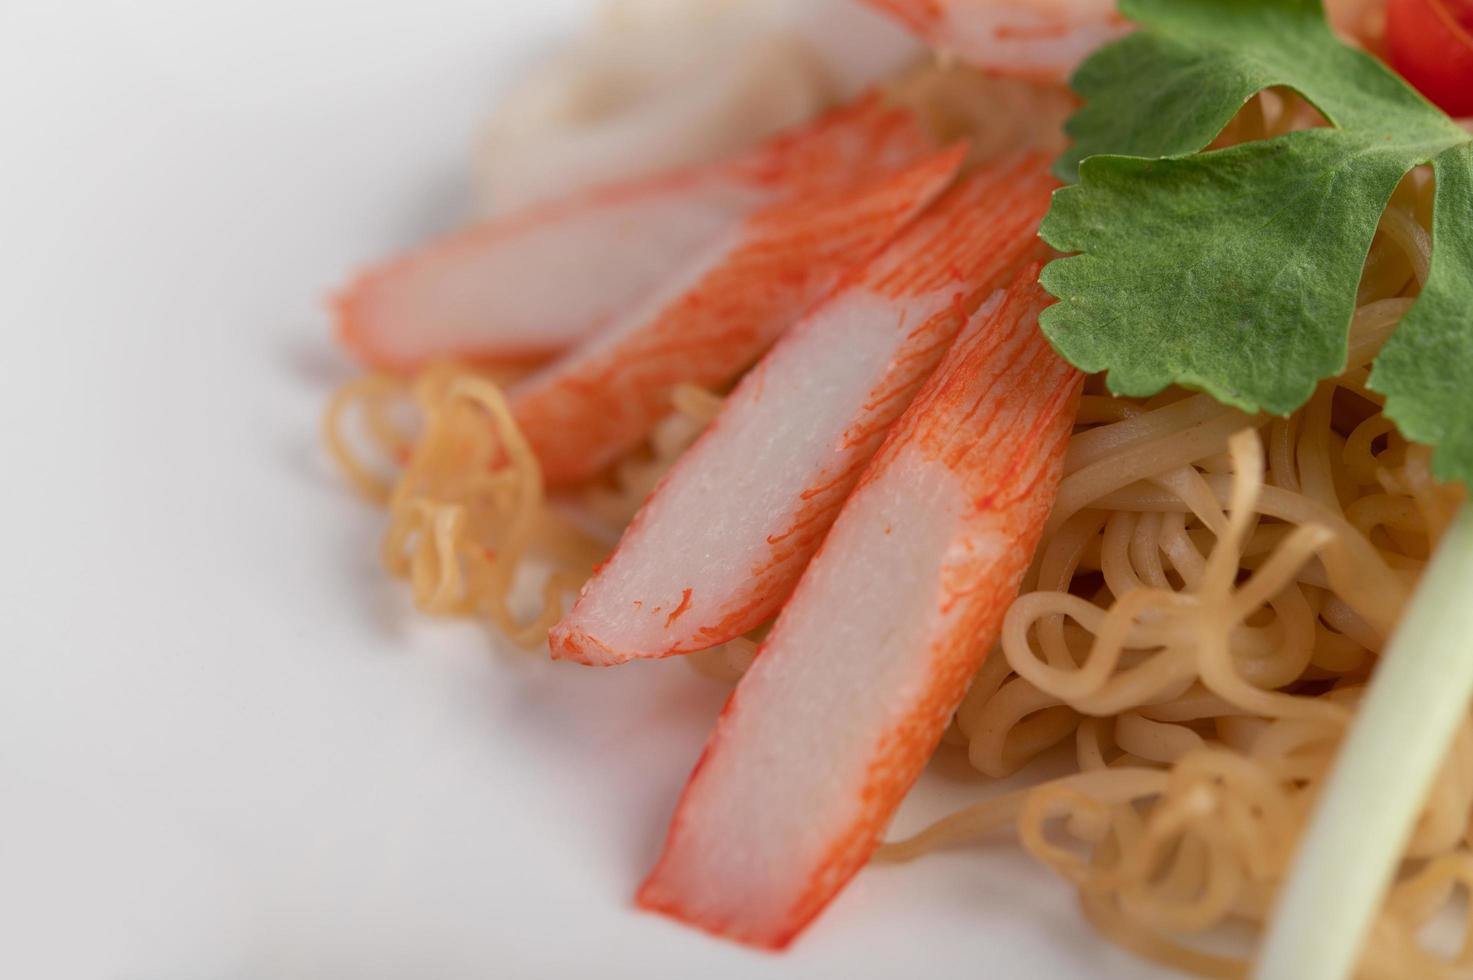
x: 227, y: 748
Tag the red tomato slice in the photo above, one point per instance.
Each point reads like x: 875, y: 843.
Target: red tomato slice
x: 1431, y: 43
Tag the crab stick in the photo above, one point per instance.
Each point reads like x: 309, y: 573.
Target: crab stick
x: 719, y: 546
x: 532, y: 283
x: 849, y: 694
x: 1040, y: 39
x: 714, y: 319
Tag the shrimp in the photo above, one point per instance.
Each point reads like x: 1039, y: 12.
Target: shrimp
x: 1040, y: 39
x: 719, y: 546
x: 1046, y: 40
x: 850, y: 693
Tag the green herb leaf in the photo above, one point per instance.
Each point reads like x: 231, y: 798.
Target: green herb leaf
x: 1426, y: 368
x: 1235, y: 271
x: 1171, y: 89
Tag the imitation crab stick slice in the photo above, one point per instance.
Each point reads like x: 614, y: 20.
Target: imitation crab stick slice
x: 532, y: 283
x: 714, y: 319
x: 720, y: 544
x: 1042, y: 39
x: 850, y: 692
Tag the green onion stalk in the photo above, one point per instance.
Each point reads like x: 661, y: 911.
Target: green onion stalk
x: 1382, y: 774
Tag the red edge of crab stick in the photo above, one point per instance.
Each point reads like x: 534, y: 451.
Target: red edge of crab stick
x: 714, y: 319
x: 1026, y: 38
x: 850, y: 693
x: 531, y: 284
x: 721, y: 542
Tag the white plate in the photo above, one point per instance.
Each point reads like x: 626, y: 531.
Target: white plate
x: 227, y: 748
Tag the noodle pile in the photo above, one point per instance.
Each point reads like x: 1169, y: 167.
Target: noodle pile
x: 466, y: 503
x: 1207, y: 605
x: 1200, y: 621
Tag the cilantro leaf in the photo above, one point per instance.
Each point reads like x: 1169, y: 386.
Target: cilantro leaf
x: 1426, y: 368
x: 1172, y: 88
x: 1235, y: 271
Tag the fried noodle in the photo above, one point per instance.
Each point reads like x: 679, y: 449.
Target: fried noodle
x: 1208, y: 603
x: 1206, y: 608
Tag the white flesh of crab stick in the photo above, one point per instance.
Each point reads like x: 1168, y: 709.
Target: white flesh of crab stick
x: 722, y: 541
x: 530, y: 284
x: 715, y: 318
x: 849, y: 695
